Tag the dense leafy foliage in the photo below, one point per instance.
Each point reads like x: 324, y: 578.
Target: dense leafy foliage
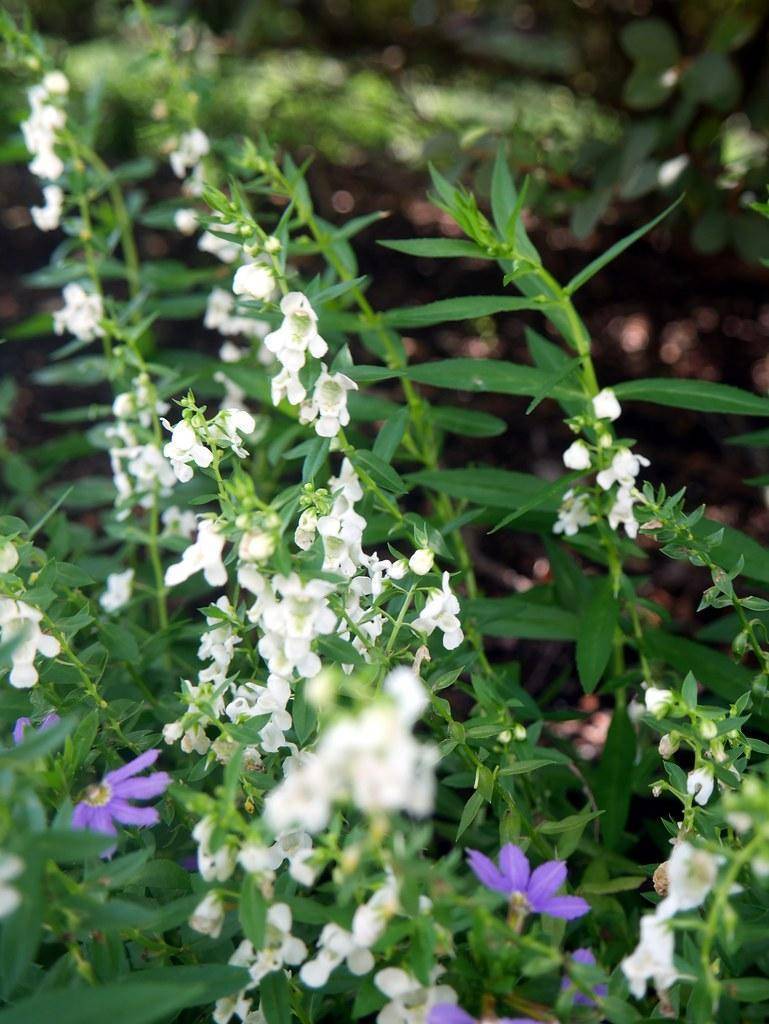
x: 257, y: 760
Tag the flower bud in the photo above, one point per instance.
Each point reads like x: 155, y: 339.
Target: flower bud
x: 708, y: 730
x: 421, y: 562
x: 668, y: 746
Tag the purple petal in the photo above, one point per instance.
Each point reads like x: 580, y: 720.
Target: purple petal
x: 567, y: 907
x: 583, y: 956
x: 487, y: 872
x: 21, y: 726
x: 50, y: 720
x: 82, y: 816
x: 144, y: 788
x: 545, y: 882
x: 447, y: 1013
x: 127, y: 814
x: 133, y: 767
x: 517, y: 1020
x: 515, y: 867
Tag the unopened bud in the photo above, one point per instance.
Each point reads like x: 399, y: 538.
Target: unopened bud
x: 421, y: 562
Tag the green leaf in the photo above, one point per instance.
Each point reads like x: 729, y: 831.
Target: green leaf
x: 468, y: 307
x: 436, y: 247
x: 595, y: 635
x: 480, y: 375
x: 617, y: 763
x: 37, y: 744
x: 747, y: 990
x: 519, y: 616
x: 652, y: 42
x: 717, y: 671
x: 253, y: 911
x: 466, y: 422
x: 469, y: 814
x: 612, y: 253
x: 698, y: 395
x: 130, y: 1001
x: 625, y: 883
x: 275, y: 999
x: 495, y: 488
x: 390, y: 435
x: 382, y: 474
x: 554, y: 490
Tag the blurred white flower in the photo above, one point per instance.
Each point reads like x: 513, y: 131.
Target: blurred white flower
x: 118, y: 592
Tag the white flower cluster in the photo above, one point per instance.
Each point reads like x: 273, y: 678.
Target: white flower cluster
x: 81, y: 313
x: 327, y: 407
x: 20, y: 629
x: 575, y: 512
x: 690, y: 875
x: 290, y: 343
x: 192, y: 442
x: 371, y: 759
x: 41, y: 129
x: 140, y: 472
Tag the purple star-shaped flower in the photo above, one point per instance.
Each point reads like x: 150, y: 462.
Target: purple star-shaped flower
x: 447, y: 1013
x: 108, y: 801
x: 585, y: 956
x: 23, y: 724
x: 533, y: 891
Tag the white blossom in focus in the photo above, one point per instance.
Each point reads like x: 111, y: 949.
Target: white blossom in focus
x: 573, y: 515
x: 577, y: 456
x: 441, y: 611
x: 606, y: 406
x: 185, y: 447
x: 297, y: 334
x: 204, y: 555
x: 700, y: 783
x: 657, y: 700
x: 327, y: 408
x: 422, y: 561
x: 255, y: 281
x: 625, y: 467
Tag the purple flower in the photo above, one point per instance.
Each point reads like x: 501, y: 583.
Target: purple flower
x: 22, y: 724
x: 585, y: 956
x: 447, y: 1013
x: 108, y: 801
x: 529, y: 891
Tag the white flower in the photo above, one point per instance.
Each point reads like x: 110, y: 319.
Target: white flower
x: 286, y: 384
x: 306, y: 530
x: 292, y: 623
x: 181, y: 522
x: 606, y: 406
x: 422, y: 561
x: 671, y: 170
x: 652, y: 958
x: 658, y: 700
x: 621, y: 512
x: 205, y: 554
x: 573, y: 514
x: 118, y: 592
x: 213, y: 865
x: 577, y: 456
x: 226, y: 427
x: 208, y: 917
x: 699, y: 784
x: 9, y: 556
x: 19, y: 627
x: 297, y: 335
x: 301, y: 801
x: 625, y: 467
x: 328, y: 406
x: 371, y: 918
x: 191, y: 147
x: 56, y: 83
x: 80, y: 314
x: 11, y: 867
x: 280, y: 948
x: 225, y: 249
x: 254, y: 280
x: 335, y: 945
x: 48, y: 216
x: 410, y: 1000
x: 440, y: 611
x: 185, y: 447
x: 185, y: 221
x: 691, y: 875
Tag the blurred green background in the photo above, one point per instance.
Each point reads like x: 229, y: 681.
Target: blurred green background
x: 604, y: 102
